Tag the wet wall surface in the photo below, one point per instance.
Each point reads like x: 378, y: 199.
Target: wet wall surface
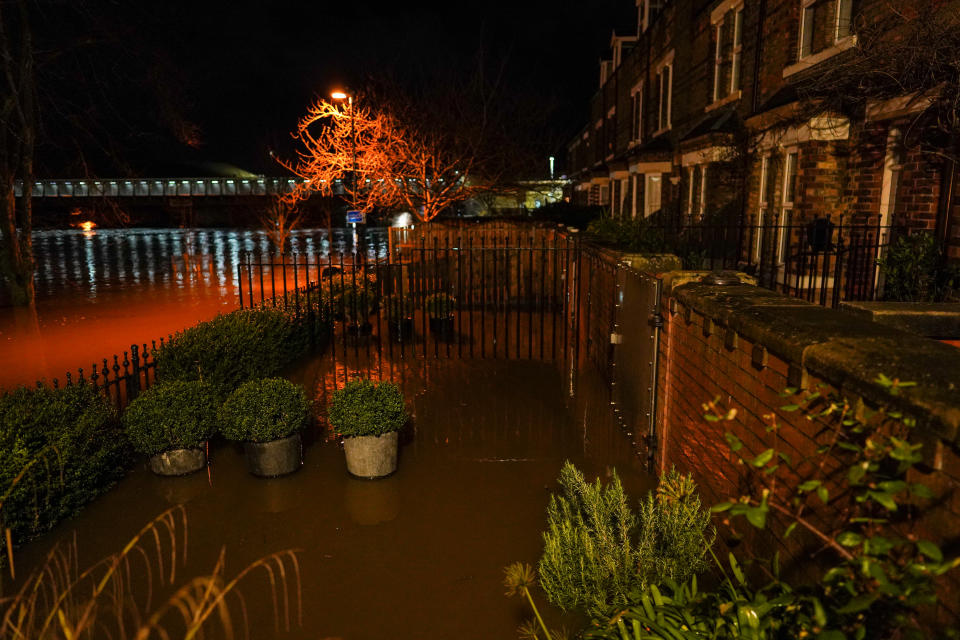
x: 417, y: 555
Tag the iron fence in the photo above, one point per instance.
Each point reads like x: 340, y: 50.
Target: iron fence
x: 823, y: 261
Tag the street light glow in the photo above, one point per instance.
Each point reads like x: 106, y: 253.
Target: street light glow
x: 338, y: 95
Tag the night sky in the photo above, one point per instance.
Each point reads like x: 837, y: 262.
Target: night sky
x: 233, y: 77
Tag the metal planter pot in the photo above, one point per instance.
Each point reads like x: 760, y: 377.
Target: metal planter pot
x: 274, y: 458
x: 178, y: 462
x: 371, y: 456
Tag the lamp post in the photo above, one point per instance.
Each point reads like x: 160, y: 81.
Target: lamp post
x: 342, y: 95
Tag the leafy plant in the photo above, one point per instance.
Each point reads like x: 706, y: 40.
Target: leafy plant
x: 597, y: 551
x: 59, y: 449
x: 357, y: 300
x: 172, y: 415
x: 239, y: 346
x: 874, y: 576
x: 519, y: 577
x: 367, y: 408
x: 914, y: 270
x: 264, y: 410
x: 440, y: 305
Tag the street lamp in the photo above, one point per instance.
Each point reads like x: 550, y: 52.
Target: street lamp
x: 342, y: 95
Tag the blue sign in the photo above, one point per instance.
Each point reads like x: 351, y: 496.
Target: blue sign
x: 356, y: 217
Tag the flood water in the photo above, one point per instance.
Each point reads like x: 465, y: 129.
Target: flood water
x: 417, y: 555
x: 100, y: 291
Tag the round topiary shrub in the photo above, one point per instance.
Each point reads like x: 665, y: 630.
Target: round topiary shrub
x: 172, y: 415
x: 264, y: 410
x: 367, y: 408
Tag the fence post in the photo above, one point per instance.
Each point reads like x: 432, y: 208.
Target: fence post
x: 133, y: 378
x: 240, y: 278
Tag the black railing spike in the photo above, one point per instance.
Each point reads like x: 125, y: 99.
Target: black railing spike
x: 116, y: 366
x: 39, y: 384
x: 56, y: 383
x: 80, y: 379
x: 126, y: 363
x: 69, y: 379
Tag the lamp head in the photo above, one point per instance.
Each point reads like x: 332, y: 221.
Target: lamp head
x: 338, y: 95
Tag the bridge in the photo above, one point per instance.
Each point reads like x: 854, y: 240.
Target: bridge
x: 162, y: 187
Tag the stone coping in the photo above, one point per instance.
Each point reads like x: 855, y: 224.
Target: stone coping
x: 933, y: 320
x: 838, y: 347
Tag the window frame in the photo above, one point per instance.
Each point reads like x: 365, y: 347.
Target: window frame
x: 842, y: 12
x: 665, y: 63
x: 636, y: 119
x: 791, y: 162
x: 648, y: 178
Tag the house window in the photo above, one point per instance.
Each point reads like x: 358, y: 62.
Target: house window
x: 786, y: 205
x: 767, y: 176
x: 696, y: 191
x: 649, y: 11
x: 664, y: 82
x: 728, y: 32
x: 651, y: 193
x: 610, y: 130
x: 635, y: 194
x: 823, y: 23
x: 636, y: 117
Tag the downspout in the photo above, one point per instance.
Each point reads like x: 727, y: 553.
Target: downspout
x: 755, y: 107
x: 946, y: 204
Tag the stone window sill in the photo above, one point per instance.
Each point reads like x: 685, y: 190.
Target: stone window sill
x: 806, y: 62
x: 733, y: 97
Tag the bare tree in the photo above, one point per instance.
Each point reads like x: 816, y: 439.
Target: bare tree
x: 381, y: 159
x: 279, y: 219
x: 18, y: 115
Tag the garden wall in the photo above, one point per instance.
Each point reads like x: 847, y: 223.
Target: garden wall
x: 745, y: 345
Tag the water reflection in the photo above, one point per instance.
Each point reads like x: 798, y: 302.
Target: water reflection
x: 88, y: 262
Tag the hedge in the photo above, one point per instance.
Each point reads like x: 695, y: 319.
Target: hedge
x: 239, y: 346
x: 71, y: 440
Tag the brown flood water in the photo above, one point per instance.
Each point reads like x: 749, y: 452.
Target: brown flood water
x: 416, y: 555
x: 100, y: 291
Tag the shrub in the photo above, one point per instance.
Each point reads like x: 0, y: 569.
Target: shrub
x: 235, y: 347
x: 69, y: 448
x: 264, y: 410
x: 367, y: 408
x: 440, y: 305
x: 597, y: 551
x: 855, y: 498
x: 914, y: 270
x: 172, y: 415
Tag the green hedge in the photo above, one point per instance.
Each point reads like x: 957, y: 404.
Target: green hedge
x: 241, y: 345
x: 366, y: 408
x: 180, y: 414
x: 264, y: 410
x: 71, y: 440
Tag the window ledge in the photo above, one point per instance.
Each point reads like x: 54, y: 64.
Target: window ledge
x: 847, y: 42
x: 733, y: 97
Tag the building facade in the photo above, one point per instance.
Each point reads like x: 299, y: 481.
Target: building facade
x: 700, y: 117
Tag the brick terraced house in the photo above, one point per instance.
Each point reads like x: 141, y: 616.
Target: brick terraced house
x: 755, y: 115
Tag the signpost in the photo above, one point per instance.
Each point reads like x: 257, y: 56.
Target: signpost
x: 356, y: 217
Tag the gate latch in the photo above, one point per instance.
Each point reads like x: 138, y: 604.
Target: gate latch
x: 616, y: 338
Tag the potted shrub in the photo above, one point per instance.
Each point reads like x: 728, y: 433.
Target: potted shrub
x: 401, y: 310
x: 440, y: 307
x: 368, y: 415
x: 267, y: 415
x: 170, y: 422
x: 356, y: 301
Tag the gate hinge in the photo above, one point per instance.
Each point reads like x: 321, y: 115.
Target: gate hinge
x: 656, y: 320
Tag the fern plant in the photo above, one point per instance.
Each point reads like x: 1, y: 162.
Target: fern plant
x: 598, y: 551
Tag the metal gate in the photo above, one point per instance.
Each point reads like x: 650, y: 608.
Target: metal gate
x: 621, y: 327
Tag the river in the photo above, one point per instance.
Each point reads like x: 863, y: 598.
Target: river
x: 100, y: 291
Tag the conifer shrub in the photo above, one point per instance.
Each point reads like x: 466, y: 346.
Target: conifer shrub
x: 598, y: 551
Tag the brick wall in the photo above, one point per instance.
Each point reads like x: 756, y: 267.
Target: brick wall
x: 745, y: 346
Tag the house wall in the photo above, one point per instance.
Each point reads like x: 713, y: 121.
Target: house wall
x: 840, y: 173
x: 744, y: 345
